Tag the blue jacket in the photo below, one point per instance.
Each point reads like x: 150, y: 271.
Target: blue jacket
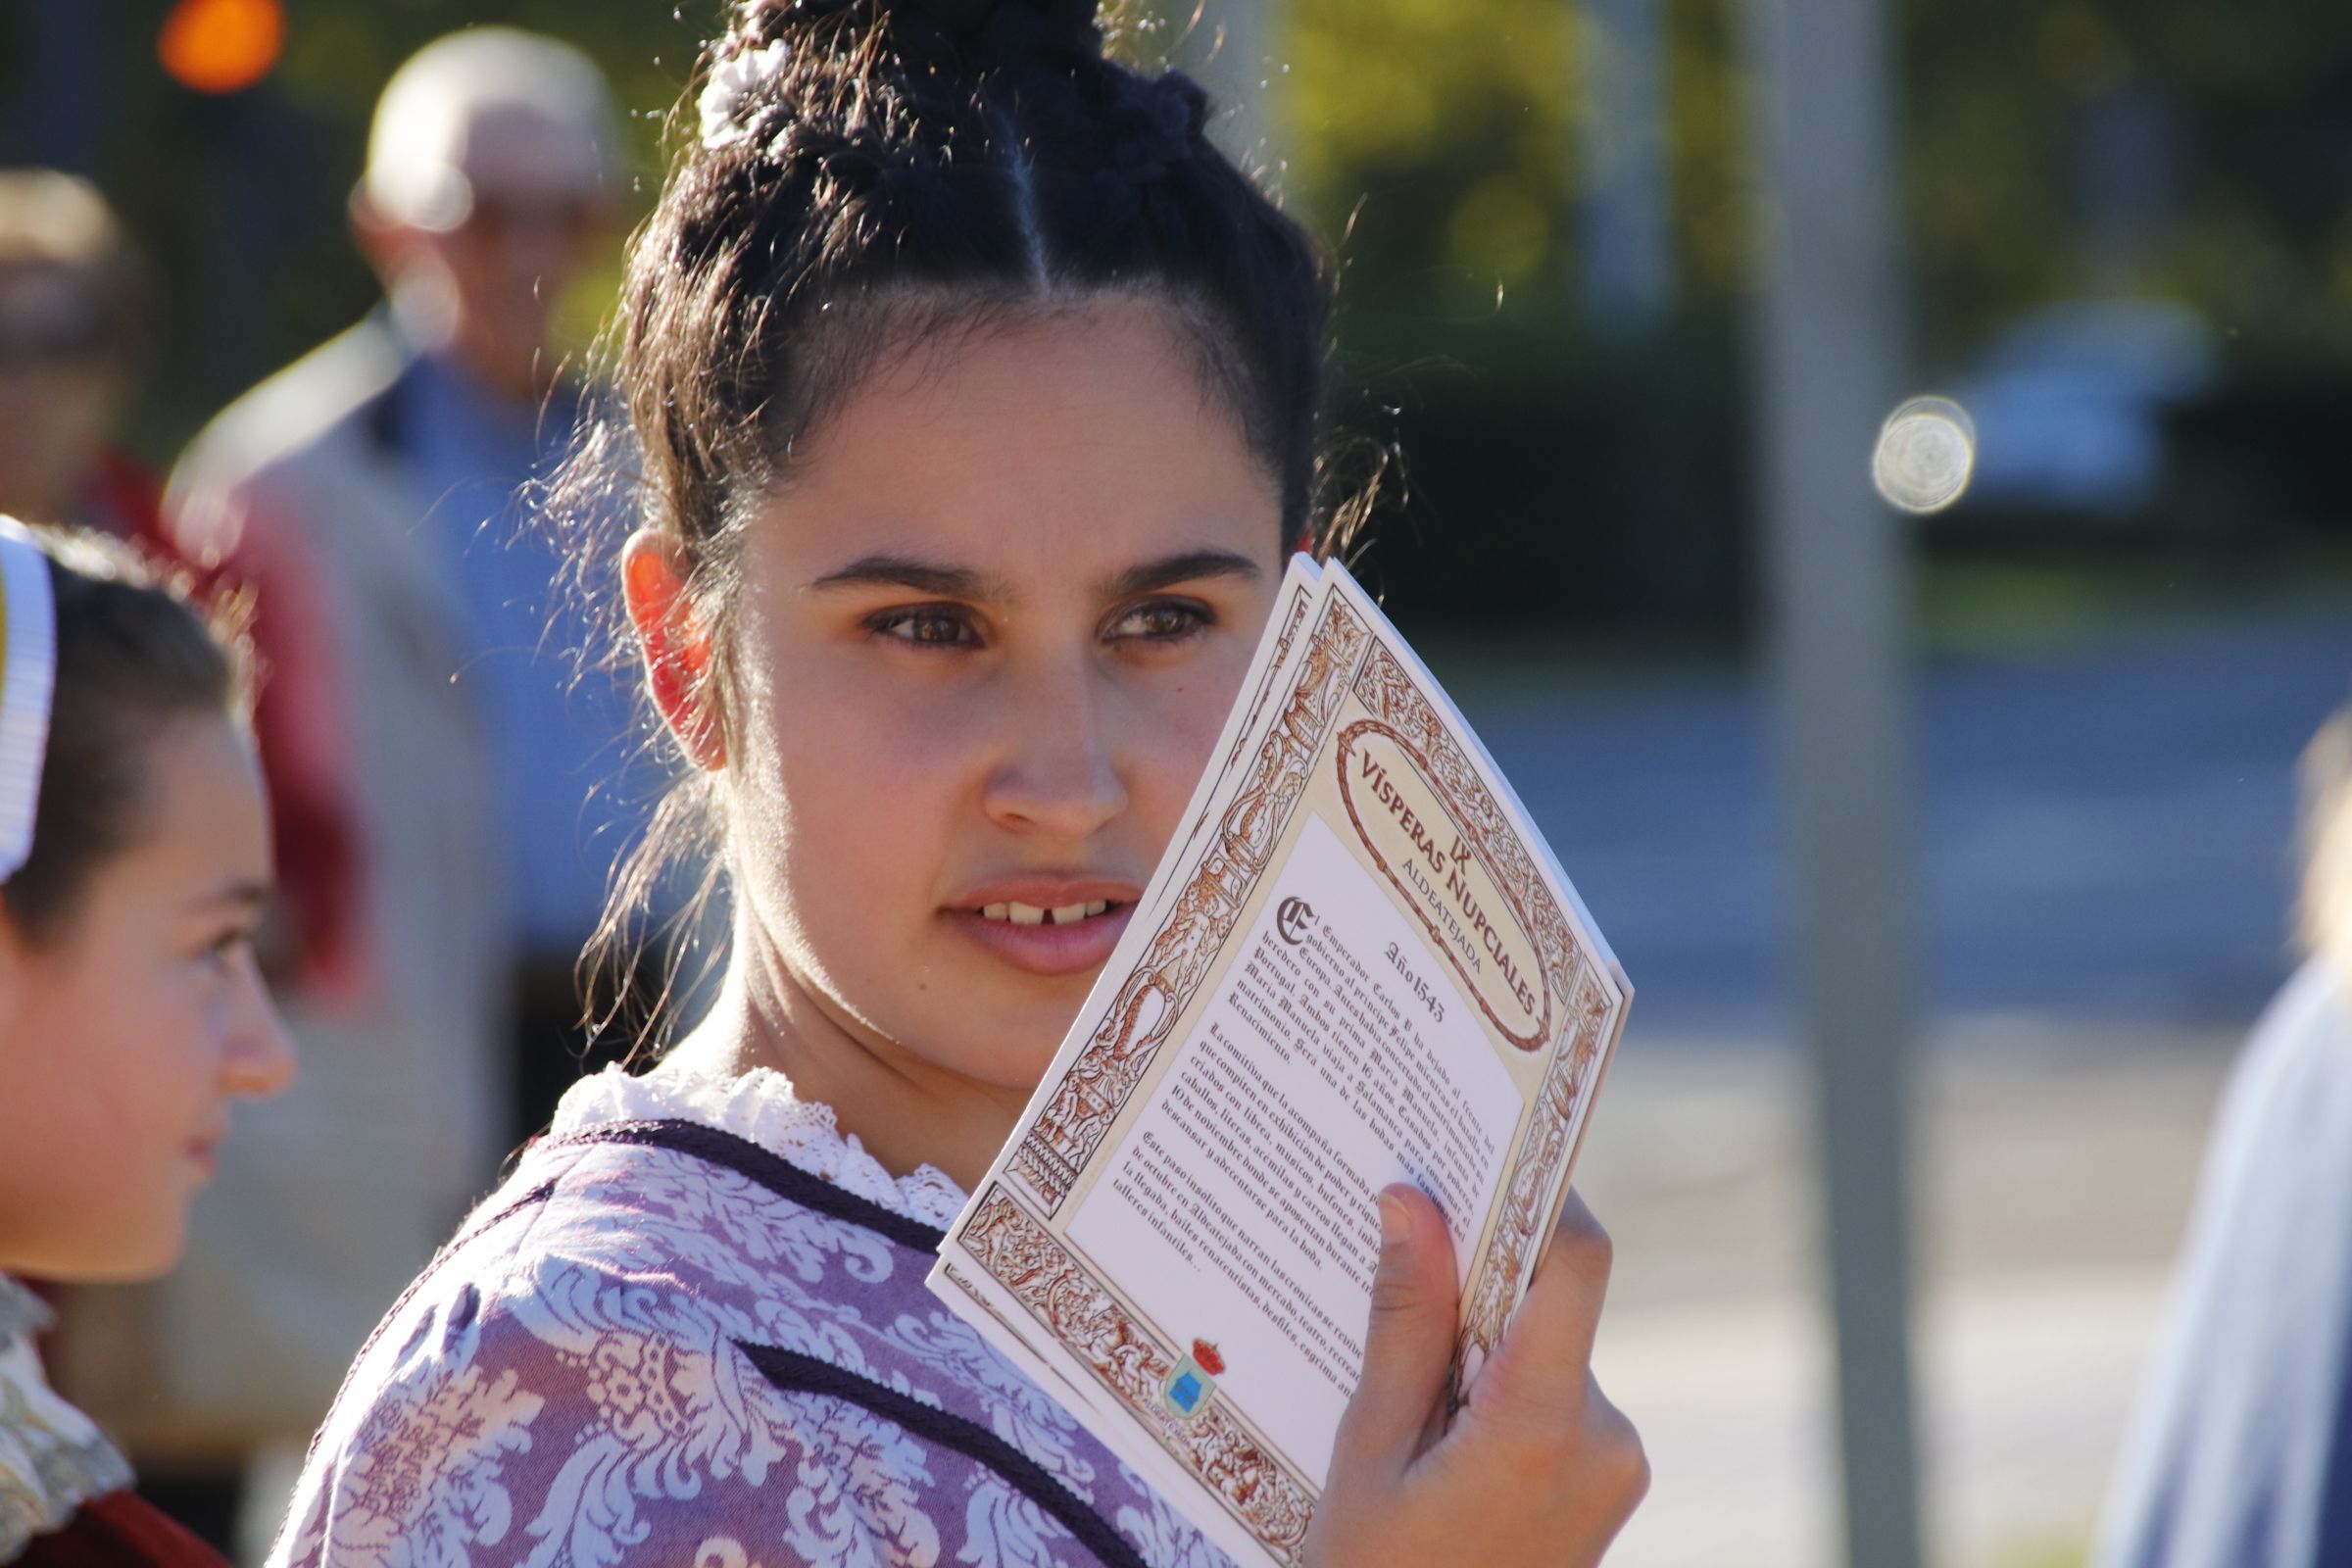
x: 2239, y: 1455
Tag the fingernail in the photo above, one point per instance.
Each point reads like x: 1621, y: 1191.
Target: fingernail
x: 1395, y: 1225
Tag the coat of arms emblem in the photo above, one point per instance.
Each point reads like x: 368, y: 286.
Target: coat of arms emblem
x: 1194, y: 1383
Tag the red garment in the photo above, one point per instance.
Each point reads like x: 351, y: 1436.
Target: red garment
x: 315, y: 839
x: 297, y: 729
x: 118, y: 1531
x: 127, y: 501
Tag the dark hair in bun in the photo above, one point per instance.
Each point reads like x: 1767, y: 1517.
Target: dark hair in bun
x: 865, y: 159
x: 853, y: 173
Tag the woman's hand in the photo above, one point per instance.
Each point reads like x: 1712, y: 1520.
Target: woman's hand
x: 1535, y: 1467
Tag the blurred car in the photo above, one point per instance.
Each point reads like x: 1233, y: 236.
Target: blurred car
x: 2070, y: 404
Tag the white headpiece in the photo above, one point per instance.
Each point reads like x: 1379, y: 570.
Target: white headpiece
x: 27, y: 685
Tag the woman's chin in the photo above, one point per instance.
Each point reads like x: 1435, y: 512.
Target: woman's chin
x: 1021, y: 1044
x: 149, y: 1252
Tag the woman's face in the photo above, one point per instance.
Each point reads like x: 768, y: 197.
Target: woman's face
x: 123, y: 1039
x: 989, y: 632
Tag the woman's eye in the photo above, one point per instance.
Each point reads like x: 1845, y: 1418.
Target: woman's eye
x: 1162, y: 620
x: 223, y: 950
x: 928, y: 626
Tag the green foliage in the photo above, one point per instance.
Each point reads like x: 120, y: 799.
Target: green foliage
x: 2254, y: 108
x: 1448, y: 134
x: 1450, y: 121
x: 1448, y: 130
x: 1440, y: 143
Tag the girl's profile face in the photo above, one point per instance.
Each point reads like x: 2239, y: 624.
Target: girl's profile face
x: 123, y: 1041
x: 989, y: 632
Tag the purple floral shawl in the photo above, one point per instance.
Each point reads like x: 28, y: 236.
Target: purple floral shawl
x: 660, y: 1344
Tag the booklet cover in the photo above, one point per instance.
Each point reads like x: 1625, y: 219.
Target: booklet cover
x: 1358, y: 964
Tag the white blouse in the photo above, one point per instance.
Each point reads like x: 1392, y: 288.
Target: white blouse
x: 762, y: 1108
x: 53, y: 1458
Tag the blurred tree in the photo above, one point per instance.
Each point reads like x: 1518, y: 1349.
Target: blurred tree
x: 2248, y: 159
x: 1452, y: 134
x: 1453, y: 126
x: 2054, y: 149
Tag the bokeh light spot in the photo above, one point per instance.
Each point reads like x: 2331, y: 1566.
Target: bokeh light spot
x: 222, y: 46
x: 1498, y: 232
x: 1927, y: 450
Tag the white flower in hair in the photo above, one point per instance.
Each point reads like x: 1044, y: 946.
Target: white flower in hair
x: 735, y: 86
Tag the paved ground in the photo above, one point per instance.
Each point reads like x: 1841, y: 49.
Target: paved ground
x: 2056, y: 1169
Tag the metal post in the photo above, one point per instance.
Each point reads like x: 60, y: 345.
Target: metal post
x: 1628, y: 234
x: 61, y: 108
x: 1827, y: 352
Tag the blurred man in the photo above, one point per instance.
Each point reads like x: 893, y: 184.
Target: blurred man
x: 77, y: 327
x: 432, y: 759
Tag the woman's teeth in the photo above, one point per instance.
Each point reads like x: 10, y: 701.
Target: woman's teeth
x: 1031, y: 914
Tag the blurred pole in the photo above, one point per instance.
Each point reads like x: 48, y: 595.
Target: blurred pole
x: 1827, y: 352
x: 61, y: 106
x: 1230, y: 49
x: 1627, y: 235
x: 239, y: 172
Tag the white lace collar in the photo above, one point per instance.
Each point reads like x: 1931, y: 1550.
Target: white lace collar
x: 53, y: 1458
x: 761, y: 1106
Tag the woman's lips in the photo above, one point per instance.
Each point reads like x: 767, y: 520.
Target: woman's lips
x: 1047, y: 949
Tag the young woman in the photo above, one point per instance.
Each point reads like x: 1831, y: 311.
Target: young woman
x: 134, y: 867
x: 973, y: 406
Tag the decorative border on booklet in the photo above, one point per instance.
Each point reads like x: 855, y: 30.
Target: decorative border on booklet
x: 1270, y: 1499
x: 1389, y: 694
x: 1393, y: 697
x: 1282, y: 650
x: 1087, y: 1099
x: 1530, y: 1204
x: 1539, y: 1033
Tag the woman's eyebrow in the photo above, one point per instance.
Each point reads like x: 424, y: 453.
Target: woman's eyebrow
x: 962, y: 582
x: 1189, y: 567
x: 240, y: 895
x: 903, y: 572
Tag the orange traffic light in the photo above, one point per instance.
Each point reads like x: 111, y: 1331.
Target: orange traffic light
x: 222, y: 46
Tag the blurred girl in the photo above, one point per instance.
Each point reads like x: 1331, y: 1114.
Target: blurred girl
x: 134, y: 867
x: 974, y: 409
x: 2240, y: 1449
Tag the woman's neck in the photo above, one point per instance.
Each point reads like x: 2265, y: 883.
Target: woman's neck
x: 907, y: 1110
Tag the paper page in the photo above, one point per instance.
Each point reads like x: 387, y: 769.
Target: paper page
x: 1369, y: 972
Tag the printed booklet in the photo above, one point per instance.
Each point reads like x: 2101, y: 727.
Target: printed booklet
x: 1358, y: 964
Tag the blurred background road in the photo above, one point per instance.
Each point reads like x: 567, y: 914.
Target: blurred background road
x: 2108, y: 816
x: 2107, y: 823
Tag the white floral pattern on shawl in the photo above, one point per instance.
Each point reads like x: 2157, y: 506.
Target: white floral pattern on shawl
x: 52, y: 1458
x: 566, y: 1389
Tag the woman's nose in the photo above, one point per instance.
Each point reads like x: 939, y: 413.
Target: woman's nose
x: 260, y: 1062
x: 1059, y: 774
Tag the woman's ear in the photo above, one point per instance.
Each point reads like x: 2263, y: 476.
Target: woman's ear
x: 675, y: 643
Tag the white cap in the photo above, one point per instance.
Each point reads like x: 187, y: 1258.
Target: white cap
x: 548, y: 111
